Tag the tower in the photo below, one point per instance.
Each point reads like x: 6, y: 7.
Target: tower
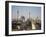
x: 29, y: 14
x: 17, y: 14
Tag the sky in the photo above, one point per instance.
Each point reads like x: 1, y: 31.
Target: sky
x: 24, y: 11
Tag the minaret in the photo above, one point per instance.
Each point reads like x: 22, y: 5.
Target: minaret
x: 17, y: 14
x: 29, y: 14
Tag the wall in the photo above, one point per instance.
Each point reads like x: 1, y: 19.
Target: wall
x: 2, y: 18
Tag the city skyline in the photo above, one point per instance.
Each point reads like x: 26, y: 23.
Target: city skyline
x: 25, y: 11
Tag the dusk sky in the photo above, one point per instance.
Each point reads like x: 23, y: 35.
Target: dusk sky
x: 24, y: 11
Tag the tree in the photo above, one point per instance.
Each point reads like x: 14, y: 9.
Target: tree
x: 29, y: 24
x: 22, y: 18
